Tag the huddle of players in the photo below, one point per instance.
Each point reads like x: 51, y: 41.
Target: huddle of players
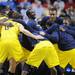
x: 55, y: 46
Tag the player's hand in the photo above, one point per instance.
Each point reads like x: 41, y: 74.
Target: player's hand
x: 62, y: 29
x: 42, y: 33
x: 8, y: 24
x: 38, y: 37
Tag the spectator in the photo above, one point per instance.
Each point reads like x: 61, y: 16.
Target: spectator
x: 3, y: 0
x: 59, y: 4
x: 71, y: 12
x: 23, y: 11
x: 38, y: 9
x: 69, y: 4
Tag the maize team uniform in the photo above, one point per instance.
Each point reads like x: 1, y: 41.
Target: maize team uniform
x: 10, y: 46
x: 44, y: 50
x: 66, y: 57
x: 1, y: 17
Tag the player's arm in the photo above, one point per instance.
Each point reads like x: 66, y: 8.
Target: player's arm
x: 6, y: 24
x: 29, y: 34
x: 3, y: 22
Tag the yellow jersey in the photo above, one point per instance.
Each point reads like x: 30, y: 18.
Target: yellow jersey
x: 10, y: 32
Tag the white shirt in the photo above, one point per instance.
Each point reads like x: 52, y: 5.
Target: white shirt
x: 59, y: 5
x: 39, y: 11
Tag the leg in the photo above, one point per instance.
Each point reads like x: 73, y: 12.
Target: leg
x: 12, y: 66
x: 3, y: 56
x: 52, y: 59
x: 5, y: 67
x: 18, y: 69
x: 60, y: 71
x: 53, y: 71
x: 25, y: 69
x: 1, y: 70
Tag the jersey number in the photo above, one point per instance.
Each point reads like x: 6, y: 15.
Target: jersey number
x: 7, y: 28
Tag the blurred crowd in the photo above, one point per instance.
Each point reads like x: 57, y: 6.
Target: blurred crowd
x: 41, y: 7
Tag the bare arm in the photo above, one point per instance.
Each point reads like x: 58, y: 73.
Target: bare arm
x: 28, y: 33
x: 4, y: 23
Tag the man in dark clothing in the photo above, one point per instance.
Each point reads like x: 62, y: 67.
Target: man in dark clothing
x: 51, y: 24
x: 47, y: 21
x: 66, y: 43
x: 34, y: 26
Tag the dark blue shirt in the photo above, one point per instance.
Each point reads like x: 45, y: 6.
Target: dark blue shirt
x: 34, y: 27
x: 66, y: 39
x: 52, y: 31
x: 45, y: 23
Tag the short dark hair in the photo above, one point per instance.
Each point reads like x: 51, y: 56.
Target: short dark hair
x: 67, y: 17
x: 52, y: 9
x: 28, y: 12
